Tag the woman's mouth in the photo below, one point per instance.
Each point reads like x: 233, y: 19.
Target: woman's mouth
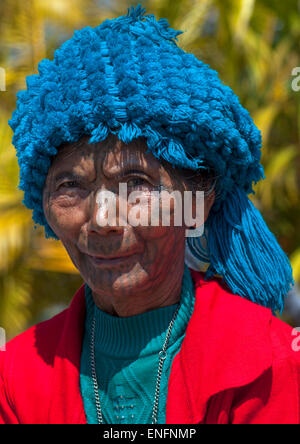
x: 111, y: 261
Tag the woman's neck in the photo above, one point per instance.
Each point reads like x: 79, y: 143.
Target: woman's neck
x: 159, y: 294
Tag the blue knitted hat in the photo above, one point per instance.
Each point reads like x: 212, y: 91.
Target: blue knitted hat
x: 128, y: 77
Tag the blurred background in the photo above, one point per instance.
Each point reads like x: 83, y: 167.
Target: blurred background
x: 255, y: 47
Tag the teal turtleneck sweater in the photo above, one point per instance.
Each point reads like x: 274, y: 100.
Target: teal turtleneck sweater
x: 126, y: 354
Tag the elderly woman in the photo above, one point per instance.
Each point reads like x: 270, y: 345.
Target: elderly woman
x: 171, y: 325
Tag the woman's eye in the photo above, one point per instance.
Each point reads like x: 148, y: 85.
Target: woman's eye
x: 137, y: 182
x: 70, y: 184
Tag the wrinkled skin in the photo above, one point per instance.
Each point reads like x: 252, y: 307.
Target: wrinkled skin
x: 149, y: 273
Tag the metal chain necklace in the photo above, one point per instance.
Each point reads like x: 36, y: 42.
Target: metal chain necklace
x: 161, y: 355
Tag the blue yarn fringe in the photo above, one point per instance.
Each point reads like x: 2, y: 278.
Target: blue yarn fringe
x: 246, y: 254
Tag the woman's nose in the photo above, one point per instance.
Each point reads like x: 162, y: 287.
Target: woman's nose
x: 104, y: 213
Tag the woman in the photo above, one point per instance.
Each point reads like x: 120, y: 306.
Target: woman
x: 168, y: 327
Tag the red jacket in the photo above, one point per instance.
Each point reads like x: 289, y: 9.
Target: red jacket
x: 236, y: 365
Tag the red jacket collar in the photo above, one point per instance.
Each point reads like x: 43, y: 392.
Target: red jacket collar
x: 226, y: 345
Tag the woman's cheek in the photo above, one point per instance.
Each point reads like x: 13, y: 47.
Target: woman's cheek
x: 65, y: 219
x: 148, y: 233
x: 162, y: 221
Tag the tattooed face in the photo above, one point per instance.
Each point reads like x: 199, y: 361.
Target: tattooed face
x: 130, y: 269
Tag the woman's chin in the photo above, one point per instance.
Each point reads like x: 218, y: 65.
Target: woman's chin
x: 119, y: 280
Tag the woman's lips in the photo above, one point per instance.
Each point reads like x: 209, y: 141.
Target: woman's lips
x: 113, y: 260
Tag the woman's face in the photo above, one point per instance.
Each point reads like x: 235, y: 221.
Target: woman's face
x: 119, y: 260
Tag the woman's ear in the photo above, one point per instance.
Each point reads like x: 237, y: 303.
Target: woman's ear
x: 209, y: 200
x: 201, y: 215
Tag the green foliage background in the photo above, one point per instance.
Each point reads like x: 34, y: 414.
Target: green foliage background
x: 253, y: 44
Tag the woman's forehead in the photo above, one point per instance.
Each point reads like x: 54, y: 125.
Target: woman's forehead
x: 111, y: 155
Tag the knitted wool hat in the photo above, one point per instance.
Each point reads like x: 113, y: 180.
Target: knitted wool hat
x: 128, y: 77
